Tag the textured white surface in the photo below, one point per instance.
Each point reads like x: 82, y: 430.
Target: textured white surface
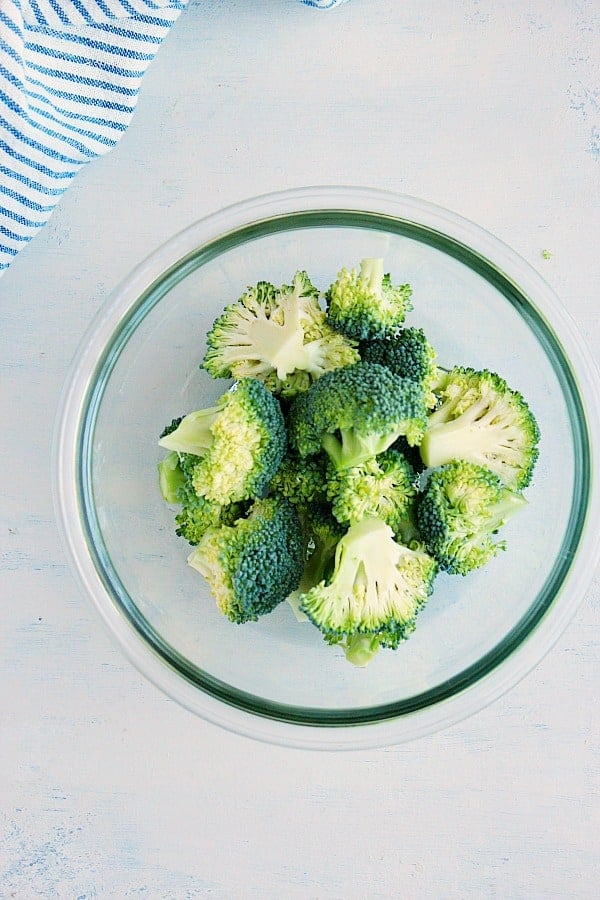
x: 107, y: 789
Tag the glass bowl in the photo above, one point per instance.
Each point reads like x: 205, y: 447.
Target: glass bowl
x: 480, y: 305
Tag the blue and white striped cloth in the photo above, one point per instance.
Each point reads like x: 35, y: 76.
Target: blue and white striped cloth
x: 70, y: 74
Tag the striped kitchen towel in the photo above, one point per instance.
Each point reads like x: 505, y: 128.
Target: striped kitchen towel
x: 70, y: 74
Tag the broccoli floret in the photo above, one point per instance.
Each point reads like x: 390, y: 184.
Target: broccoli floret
x: 301, y: 479
x: 239, y: 443
x: 322, y: 532
x: 366, y: 305
x: 197, y: 514
x: 377, y: 586
x: 384, y: 487
x: 481, y: 420
x: 409, y: 354
x: 253, y: 565
x: 279, y: 336
x: 462, y: 507
x: 356, y: 413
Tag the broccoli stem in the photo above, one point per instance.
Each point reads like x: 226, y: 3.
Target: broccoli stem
x: 352, y: 448
x: 193, y: 434
x: 371, y: 270
x: 502, y: 511
x: 170, y: 477
x: 462, y: 438
x: 361, y: 648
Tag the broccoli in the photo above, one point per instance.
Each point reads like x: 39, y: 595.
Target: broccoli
x: 377, y: 586
x: 365, y: 305
x: 356, y: 413
x: 170, y: 477
x: 197, y: 514
x: 168, y: 429
x: 481, y: 420
x: 322, y: 533
x: 359, y: 649
x: 279, y: 336
x: 384, y: 487
x: 409, y: 354
x: 253, y: 565
x: 301, y: 479
x: 462, y: 507
x: 238, y: 444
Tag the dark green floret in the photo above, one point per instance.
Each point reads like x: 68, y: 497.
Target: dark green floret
x: 253, y: 565
x: 302, y: 480
x: 409, y: 354
x: 377, y: 586
x: 481, y: 420
x: 460, y: 511
x: 384, y: 487
x: 277, y: 335
x: 238, y: 444
x: 365, y: 304
x: 355, y: 413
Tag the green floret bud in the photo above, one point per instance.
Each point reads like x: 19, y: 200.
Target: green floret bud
x: 481, y: 420
x: 365, y: 304
x: 302, y: 480
x: 279, y: 336
x: 356, y: 413
x: 409, y: 354
x: 377, y: 586
x: 384, y: 487
x: 239, y: 443
x: 462, y: 507
x: 254, y: 564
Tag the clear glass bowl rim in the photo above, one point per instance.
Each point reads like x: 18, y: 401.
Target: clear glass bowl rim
x: 262, y: 724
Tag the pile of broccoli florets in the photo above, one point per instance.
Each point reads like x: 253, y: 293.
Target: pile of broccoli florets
x: 344, y: 468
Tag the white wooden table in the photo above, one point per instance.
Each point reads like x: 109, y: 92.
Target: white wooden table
x: 109, y: 789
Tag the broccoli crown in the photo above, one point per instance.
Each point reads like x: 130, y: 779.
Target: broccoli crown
x: 377, y: 586
x: 365, y: 304
x: 408, y: 353
x: 460, y: 510
x: 384, y: 487
x: 481, y: 420
x: 301, y: 479
x: 239, y: 443
x: 279, y: 336
x: 356, y: 413
x: 253, y: 565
